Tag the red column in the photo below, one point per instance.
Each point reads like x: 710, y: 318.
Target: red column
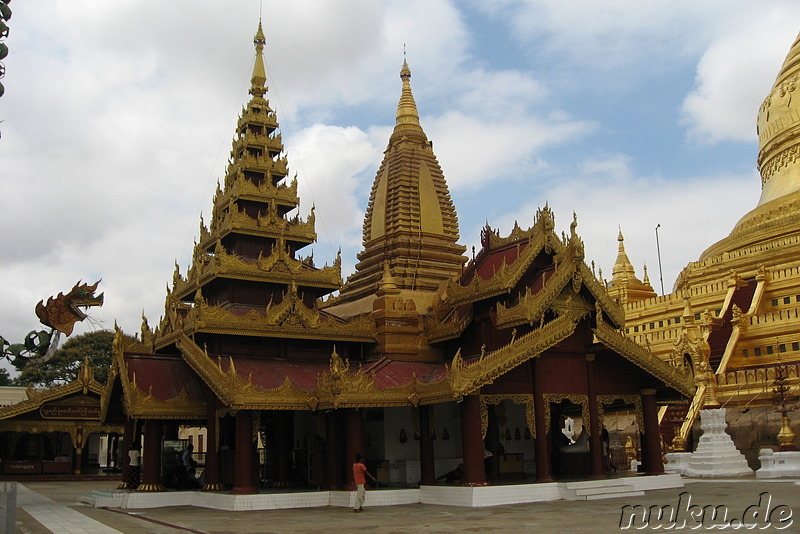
x: 426, y: 460
x: 213, y: 479
x: 651, y: 442
x: 243, y: 478
x: 127, y: 440
x: 540, y: 442
x: 354, y: 443
x: 284, y: 443
x: 151, y: 474
x: 595, y: 432
x: 471, y: 441
x: 332, y: 466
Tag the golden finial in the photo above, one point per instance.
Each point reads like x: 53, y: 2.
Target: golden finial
x: 407, y: 114
x: 259, y: 78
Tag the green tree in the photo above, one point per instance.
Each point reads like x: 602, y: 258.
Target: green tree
x: 5, y: 378
x: 65, y: 364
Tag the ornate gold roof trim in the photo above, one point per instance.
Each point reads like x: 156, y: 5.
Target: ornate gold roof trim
x: 290, y: 318
x: 446, y: 328
x: 141, y: 404
x: 83, y: 384
x: 465, y: 378
x: 341, y: 387
x: 278, y: 267
x: 503, y: 279
x: 675, y: 377
x: 268, y: 225
x: 237, y: 187
x: 530, y: 308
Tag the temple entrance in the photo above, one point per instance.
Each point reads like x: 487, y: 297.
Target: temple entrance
x: 507, y: 421
x: 569, y: 436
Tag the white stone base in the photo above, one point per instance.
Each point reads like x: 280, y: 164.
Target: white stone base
x: 678, y: 462
x: 470, y: 497
x: 716, y: 455
x: 778, y: 464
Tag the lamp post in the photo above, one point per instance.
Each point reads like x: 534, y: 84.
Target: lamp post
x: 658, y: 248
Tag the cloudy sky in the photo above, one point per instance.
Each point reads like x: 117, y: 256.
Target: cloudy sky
x: 118, y: 119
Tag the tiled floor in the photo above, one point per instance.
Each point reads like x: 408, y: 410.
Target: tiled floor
x: 57, y: 504
x: 56, y: 517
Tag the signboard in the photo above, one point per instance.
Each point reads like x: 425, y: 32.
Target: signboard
x: 70, y: 411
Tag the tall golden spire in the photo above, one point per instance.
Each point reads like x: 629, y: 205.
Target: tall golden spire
x: 411, y: 226
x: 259, y: 79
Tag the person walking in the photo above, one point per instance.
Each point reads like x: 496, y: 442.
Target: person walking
x: 359, y: 473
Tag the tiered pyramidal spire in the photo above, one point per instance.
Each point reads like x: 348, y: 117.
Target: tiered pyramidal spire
x: 245, y: 261
x: 625, y: 286
x: 411, y: 223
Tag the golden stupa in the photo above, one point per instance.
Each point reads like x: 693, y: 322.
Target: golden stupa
x: 734, y: 315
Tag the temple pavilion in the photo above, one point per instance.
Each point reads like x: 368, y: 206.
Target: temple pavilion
x: 421, y: 360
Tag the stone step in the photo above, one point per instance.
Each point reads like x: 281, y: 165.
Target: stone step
x: 607, y: 490
x: 596, y: 497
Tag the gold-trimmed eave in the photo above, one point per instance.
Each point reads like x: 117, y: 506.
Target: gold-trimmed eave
x: 140, y: 404
x: 288, y: 319
x: 675, y: 377
x: 271, y: 144
x: 506, y: 277
x: 466, y: 378
x: 83, y: 384
x: 532, y: 307
x: 265, y: 116
x: 269, y: 226
x: 450, y: 327
x: 339, y: 388
x: 278, y: 268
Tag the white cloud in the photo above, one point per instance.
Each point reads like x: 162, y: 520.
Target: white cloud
x: 736, y: 73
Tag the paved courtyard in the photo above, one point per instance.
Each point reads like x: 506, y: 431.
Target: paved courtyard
x: 45, y: 507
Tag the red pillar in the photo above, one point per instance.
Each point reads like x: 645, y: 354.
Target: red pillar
x: 651, y: 442
x: 283, y: 430
x: 595, y: 432
x: 540, y: 442
x: 426, y: 460
x: 354, y: 443
x: 151, y: 474
x: 471, y: 441
x: 212, y: 472
x: 127, y: 441
x: 332, y: 466
x: 243, y: 478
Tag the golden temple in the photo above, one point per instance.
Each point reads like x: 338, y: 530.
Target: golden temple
x: 501, y: 353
